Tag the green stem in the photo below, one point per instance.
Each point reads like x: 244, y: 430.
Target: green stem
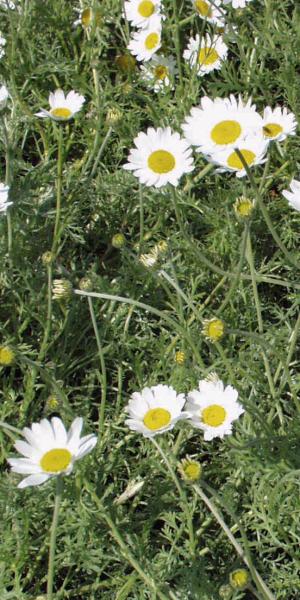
x: 237, y: 273
x: 141, y: 219
x: 103, y: 368
x: 47, y: 330
x: 184, y: 500
x: 10, y: 428
x: 177, y: 41
x: 60, y: 158
x: 240, y: 551
x: 101, y: 149
x: 58, y: 496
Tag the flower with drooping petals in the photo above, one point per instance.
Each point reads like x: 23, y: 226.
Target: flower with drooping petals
x: 62, y: 108
x: 293, y: 196
x: 159, y: 72
x: 278, y: 123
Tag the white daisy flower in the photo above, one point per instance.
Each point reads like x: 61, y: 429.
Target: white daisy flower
x: 293, y: 196
x: 7, y: 4
x: 253, y: 150
x: 146, y: 41
x: 4, y: 204
x: 160, y: 157
x: 140, y: 12
x: 2, y: 46
x: 50, y: 450
x: 62, y: 107
x: 237, y: 3
x: 213, y: 408
x: 219, y: 123
x: 4, y: 95
x: 154, y: 410
x: 159, y: 72
x: 205, y: 54
x: 210, y: 10
x: 278, y: 123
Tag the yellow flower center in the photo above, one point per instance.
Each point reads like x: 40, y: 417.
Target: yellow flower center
x: 192, y: 471
x: 146, y: 8
x: 86, y: 17
x: 203, y: 8
x: 61, y: 113
x: 214, y: 329
x: 226, y: 132
x: 207, y: 56
x: 161, y: 72
x: 6, y: 355
x: 156, y: 418
x: 161, y: 161
x: 235, y: 162
x: 56, y: 460
x: 271, y: 130
x: 214, y: 415
x: 151, y: 41
x: 244, y: 207
x: 239, y: 578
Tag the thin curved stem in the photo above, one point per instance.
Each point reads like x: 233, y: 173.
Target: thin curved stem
x: 102, y: 365
x: 53, y: 533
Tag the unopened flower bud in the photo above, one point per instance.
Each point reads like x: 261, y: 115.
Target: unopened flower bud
x: 7, y: 356
x: 113, y: 116
x: 126, y: 63
x: 62, y: 289
x: 225, y: 592
x: 243, y: 207
x: 179, y: 357
x: 47, y: 258
x: 118, y: 240
x: 190, y: 470
x: 239, y: 579
x: 213, y: 329
x: 86, y: 284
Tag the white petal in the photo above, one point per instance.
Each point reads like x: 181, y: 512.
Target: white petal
x: 59, y: 431
x: 33, y: 480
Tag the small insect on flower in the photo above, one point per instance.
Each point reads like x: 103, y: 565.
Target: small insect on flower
x: 220, y: 123
x: 140, y: 12
x: 146, y: 42
x: 4, y: 204
x: 4, y: 95
x: 155, y: 410
x: 159, y: 72
x: 209, y: 10
x: 253, y: 150
x: 62, y: 108
x: 239, y: 579
x: 293, y: 196
x: 190, y: 470
x: 160, y: 157
x: 205, y: 54
x: 50, y: 450
x: 243, y: 207
x: 278, y: 123
x: 7, y: 356
x: 213, y: 408
x: 213, y: 329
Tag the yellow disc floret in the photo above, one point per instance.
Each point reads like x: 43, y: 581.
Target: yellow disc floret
x: 239, y: 579
x: 213, y: 329
x: 213, y: 415
x: 235, y: 162
x: 207, y: 56
x: 157, y: 418
x: 190, y: 470
x: 61, y: 113
x: 146, y: 8
x: 226, y: 132
x: 151, y: 41
x: 271, y: 130
x: 161, y: 161
x: 243, y: 207
x: 203, y: 8
x: 56, y: 460
x: 6, y: 356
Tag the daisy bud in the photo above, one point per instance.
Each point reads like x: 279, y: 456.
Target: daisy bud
x: 190, y: 470
x: 113, y: 116
x: 86, y: 284
x: 62, y: 289
x: 179, y: 357
x: 225, y: 592
x: 239, y: 579
x: 47, y: 258
x: 243, y: 207
x: 213, y: 329
x: 52, y: 403
x: 126, y: 63
x: 162, y: 246
x: 149, y: 260
x: 7, y: 356
x: 118, y: 240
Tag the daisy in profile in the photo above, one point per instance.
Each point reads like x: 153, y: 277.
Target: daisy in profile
x: 220, y: 123
x: 205, y: 54
x: 88, y: 17
x: 159, y: 72
x: 293, y: 196
x: 154, y: 410
x: 4, y: 95
x: 278, y: 123
x: 146, y: 41
x: 50, y: 450
x: 140, y: 12
x: 2, y: 46
x: 237, y: 3
x: 253, y: 150
x: 213, y: 408
x: 4, y: 204
x: 210, y: 10
x: 62, y: 108
x: 160, y: 157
